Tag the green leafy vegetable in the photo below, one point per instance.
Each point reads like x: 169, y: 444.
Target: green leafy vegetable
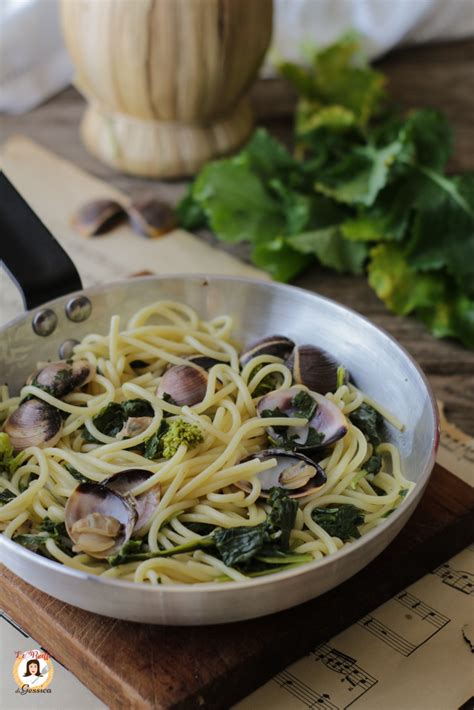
x: 6, y: 496
x: 238, y: 545
x: 8, y: 461
x: 365, y: 190
x: 75, y: 473
x: 264, y: 544
x: 314, y: 438
x: 180, y: 432
x: 49, y: 531
x: 200, y: 528
x: 304, y: 405
x: 374, y: 464
x: 281, y: 518
x: 111, y: 420
x: 369, y: 421
x: 341, y: 521
x: 169, y: 437
x: 267, y: 384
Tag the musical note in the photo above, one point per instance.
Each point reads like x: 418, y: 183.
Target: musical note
x: 303, y: 692
x: 421, y: 609
x: 390, y: 637
x: 355, y: 681
x: 461, y: 580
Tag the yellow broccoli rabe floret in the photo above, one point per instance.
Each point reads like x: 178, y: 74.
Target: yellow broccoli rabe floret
x: 180, y: 432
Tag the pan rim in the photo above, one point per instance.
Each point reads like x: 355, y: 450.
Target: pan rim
x: 407, y: 506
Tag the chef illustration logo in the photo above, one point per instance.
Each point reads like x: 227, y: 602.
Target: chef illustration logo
x: 33, y: 671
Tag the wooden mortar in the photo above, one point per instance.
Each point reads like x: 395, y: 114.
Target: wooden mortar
x: 166, y: 80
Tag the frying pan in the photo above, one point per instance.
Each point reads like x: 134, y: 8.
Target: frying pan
x: 60, y: 313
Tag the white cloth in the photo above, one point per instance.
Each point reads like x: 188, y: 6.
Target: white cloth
x: 34, y: 63
x: 382, y: 24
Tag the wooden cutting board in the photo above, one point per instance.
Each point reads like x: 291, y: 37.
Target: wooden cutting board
x: 139, y: 666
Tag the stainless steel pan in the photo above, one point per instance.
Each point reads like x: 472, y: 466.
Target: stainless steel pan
x: 379, y: 365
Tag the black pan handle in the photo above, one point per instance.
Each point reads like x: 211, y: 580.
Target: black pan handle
x: 36, y: 262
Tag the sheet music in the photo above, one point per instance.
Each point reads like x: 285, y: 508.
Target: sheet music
x: 408, y: 654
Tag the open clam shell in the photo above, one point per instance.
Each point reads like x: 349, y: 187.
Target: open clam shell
x: 327, y: 420
x: 297, y: 473
x: 145, y: 504
x: 98, y: 520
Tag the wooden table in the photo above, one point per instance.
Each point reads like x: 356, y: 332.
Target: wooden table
x: 435, y: 75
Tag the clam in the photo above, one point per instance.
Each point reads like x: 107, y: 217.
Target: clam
x: 297, y: 473
x: 60, y: 378
x: 277, y: 345
x: 98, y: 520
x: 34, y: 423
x: 125, y: 481
x: 134, y: 426
x: 204, y: 361
x: 151, y: 218
x: 97, y: 217
x: 185, y: 384
x: 313, y: 367
x: 326, y: 422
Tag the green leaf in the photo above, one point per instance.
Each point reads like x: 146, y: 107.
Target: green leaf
x: 359, y: 177
x: 340, y: 78
x: 137, y: 408
x: 304, y: 405
x: 399, y: 285
x: 109, y: 421
x: 374, y: 464
x: 239, y: 545
x: 388, y: 218
x: 268, y: 158
x: 331, y: 249
x: 443, y: 235
x: 6, y: 496
x: 453, y: 317
x: 190, y: 213
x: 281, y: 518
x: 370, y: 422
x: 8, y: 461
x: 430, y: 133
x: 236, y: 203
x: 75, y: 473
x: 279, y: 258
x: 341, y: 521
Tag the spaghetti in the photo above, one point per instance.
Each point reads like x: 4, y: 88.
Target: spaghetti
x: 211, y: 483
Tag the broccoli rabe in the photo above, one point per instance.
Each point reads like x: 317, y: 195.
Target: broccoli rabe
x: 8, y: 462
x: 180, y: 432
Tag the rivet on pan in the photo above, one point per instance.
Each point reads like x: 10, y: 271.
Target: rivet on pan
x: 66, y: 348
x: 44, y: 322
x: 78, y: 309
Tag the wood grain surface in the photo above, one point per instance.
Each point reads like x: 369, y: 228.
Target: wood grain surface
x: 145, y: 117
x: 432, y: 75
x: 151, y: 667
